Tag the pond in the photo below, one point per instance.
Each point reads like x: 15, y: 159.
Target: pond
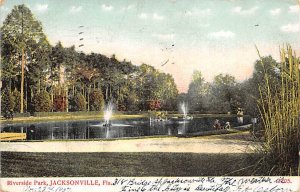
x: 94, y: 129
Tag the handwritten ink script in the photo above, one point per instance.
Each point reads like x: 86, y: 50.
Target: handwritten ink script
x: 215, y: 184
x: 155, y: 184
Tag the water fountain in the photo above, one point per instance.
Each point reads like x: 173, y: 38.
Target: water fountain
x: 107, y: 114
x: 184, y: 110
x: 108, y: 111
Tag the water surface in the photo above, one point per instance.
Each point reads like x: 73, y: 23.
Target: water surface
x: 94, y: 129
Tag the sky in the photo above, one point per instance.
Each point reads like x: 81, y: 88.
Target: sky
x: 174, y: 36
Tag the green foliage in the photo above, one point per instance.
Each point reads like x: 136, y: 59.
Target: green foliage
x: 17, y: 97
x: 9, y: 71
x: 62, y: 70
x: 226, y: 94
x: 270, y: 69
x: 154, y: 85
x: 79, y: 103
x: 224, y: 80
x: 23, y: 40
x: 198, y: 93
x: 7, y: 101
x: 222, y: 96
x: 42, y: 102
x: 96, y: 100
x: 20, y: 29
x: 131, y: 102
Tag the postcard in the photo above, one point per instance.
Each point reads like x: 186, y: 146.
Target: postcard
x: 140, y: 95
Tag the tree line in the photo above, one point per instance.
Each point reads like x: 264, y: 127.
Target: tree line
x: 225, y: 94
x: 37, y: 76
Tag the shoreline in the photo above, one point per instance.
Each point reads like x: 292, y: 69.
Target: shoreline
x: 64, y: 118
x: 170, y: 144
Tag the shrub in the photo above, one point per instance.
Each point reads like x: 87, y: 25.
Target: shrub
x: 79, y: 103
x: 154, y: 104
x: 7, y: 101
x: 59, y: 103
x: 96, y: 100
x: 42, y: 102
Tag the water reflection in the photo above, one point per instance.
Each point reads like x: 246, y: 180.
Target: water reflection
x: 107, y: 135
x: 182, y: 128
x: 93, y: 129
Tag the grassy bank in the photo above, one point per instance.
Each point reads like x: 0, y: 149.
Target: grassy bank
x: 66, y: 117
x: 15, y: 164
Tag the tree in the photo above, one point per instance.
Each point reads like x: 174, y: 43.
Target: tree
x: 31, y: 65
x: 131, y: 102
x: 38, y: 70
x: 198, y: 92
x: 167, y: 91
x: 155, y: 87
x: 79, y: 103
x: 9, y: 71
x: 59, y: 103
x: 56, y: 63
x: 270, y: 68
x: 16, y: 94
x: 264, y: 67
x: 42, y: 102
x: 64, y: 68
x: 225, y: 94
x: 147, y: 83
x: 22, y: 36
x: 96, y: 100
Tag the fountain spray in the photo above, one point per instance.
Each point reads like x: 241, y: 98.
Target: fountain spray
x: 108, y: 114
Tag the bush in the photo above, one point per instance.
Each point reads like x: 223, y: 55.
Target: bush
x: 59, y: 103
x: 154, y: 104
x: 79, y: 103
x: 7, y: 101
x: 42, y: 102
x: 96, y: 100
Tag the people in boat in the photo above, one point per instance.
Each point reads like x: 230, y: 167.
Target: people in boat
x: 240, y: 114
x: 217, y: 124
x: 227, y: 125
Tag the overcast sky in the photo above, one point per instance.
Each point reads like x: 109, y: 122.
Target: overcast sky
x: 213, y: 36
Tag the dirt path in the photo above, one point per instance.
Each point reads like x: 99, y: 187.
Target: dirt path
x: 173, y: 144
